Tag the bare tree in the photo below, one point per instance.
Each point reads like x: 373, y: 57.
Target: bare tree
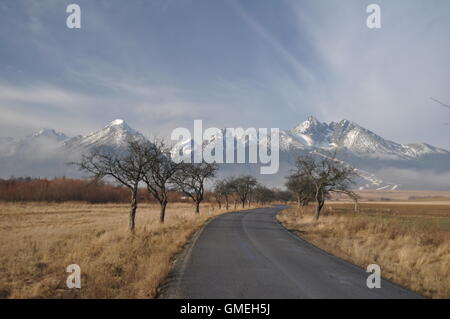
x: 222, y: 191
x: 302, y: 187
x: 126, y: 167
x: 158, y: 173
x: 284, y: 196
x: 190, y: 180
x: 231, y: 190
x: 327, y: 175
x: 263, y: 195
x: 243, y: 186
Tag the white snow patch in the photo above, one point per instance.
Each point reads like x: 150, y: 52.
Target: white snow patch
x: 117, y: 122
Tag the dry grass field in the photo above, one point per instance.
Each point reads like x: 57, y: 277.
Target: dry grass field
x: 39, y: 240
x: 402, y: 195
x: 409, y: 240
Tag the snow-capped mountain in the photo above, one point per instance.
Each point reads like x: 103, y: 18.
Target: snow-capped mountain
x: 343, y: 136
x: 313, y: 133
x: 34, y: 145
x: 115, y: 134
x: 45, y: 153
x: 349, y: 136
x: 368, y: 152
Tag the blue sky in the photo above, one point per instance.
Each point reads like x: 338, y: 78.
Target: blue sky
x: 161, y: 64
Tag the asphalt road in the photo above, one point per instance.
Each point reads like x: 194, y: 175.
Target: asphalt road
x: 250, y: 255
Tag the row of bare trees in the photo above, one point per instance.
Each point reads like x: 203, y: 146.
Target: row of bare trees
x: 235, y: 189
x: 316, y: 179
x: 148, y: 163
x: 245, y: 190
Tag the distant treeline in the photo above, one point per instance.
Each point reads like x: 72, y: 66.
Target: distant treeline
x: 66, y: 189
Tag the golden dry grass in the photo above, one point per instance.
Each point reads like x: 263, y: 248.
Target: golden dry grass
x: 399, y: 195
x: 411, y: 243
x: 39, y: 240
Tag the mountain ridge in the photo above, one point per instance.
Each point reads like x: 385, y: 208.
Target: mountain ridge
x: 356, y: 145
x: 350, y: 135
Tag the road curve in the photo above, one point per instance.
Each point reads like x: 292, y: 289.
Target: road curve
x: 250, y: 255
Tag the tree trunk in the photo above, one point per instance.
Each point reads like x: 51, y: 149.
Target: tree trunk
x: 226, y: 202
x: 235, y: 204
x: 162, y: 211
x: 220, y: 204
x: 299, y: 202
x: 197, y: 207
x: 317, y: 212
x: 243, y: 203
x: 319, y: 206
x: 131, y: 222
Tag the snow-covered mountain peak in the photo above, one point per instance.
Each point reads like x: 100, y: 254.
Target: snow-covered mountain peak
x: 120, y: 124
x: 312, y: 132
x: 37, y: 145
x: 306, y: 126
x: 418, y: 149
x: 117, y: 122
x: 345, y: 122
x: 346, y: 126
x: 115, y: 134
x: 51, y: 134
x: 350, y: 136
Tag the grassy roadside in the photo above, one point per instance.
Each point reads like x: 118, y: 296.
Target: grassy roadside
x: 410, y: 242
x: 39, y: 240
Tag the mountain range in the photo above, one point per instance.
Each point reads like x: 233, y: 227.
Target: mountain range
x: 381, y: 163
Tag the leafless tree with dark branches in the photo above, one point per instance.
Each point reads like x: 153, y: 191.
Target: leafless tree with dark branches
x: 243, y: 186
x: 127, y: 168
x: 190, y: 179
x: 263, y: 195
x: 302, y: 188
x: 222, y: 191
x: 158, y: 173
x: 327, y: 175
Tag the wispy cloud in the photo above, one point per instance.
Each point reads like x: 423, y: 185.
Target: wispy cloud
x: 161, y: 64
x: 382, y: 78
x: 303, y: 74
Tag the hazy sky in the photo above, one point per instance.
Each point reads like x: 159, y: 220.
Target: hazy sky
x: 163, y: 63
